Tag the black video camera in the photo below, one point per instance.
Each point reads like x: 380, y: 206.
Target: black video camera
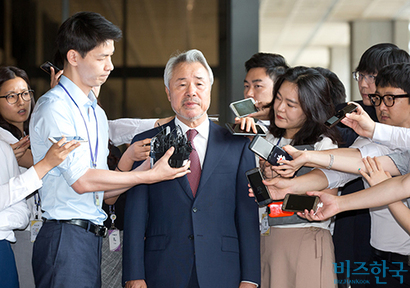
x: 166, y: 139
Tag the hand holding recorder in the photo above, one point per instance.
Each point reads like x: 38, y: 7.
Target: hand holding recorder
x: 360, y: 122
x: 331, y: 122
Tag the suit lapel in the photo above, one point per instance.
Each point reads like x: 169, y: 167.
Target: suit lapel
x: 217, y: 147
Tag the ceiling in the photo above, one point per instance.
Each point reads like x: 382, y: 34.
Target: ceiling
x: 303, y: 30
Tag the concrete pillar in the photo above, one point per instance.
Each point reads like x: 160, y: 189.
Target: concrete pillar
x: 365, y: 33
x: 239, y: 40
x: 339, y: 64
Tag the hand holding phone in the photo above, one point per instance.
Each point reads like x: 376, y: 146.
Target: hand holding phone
x: 260, y: 191
x: 268, y: 151
x: 235, y: 129
x: 300, y: 203
x: 331, y: 122
x: 46, y: 67
x: 243, y: 107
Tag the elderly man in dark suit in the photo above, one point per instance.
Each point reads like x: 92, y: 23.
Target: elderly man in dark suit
x: 200, y: 230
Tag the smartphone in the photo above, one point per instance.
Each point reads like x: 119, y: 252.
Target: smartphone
x: 243, y: 107
x: 331, y: 122
x: 235, y: 129
x: 268, y: 151
x: 46, y: 67
x: 298, y: 203
x: 259, y: 189
x: 68, y: 139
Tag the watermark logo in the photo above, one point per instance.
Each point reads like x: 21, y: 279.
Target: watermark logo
x: 375, y: 268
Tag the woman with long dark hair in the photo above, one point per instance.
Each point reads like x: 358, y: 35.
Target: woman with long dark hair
x: 15, y: 111
x: 294, y: 251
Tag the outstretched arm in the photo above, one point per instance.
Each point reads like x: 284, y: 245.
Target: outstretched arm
x: 341, y: 159
x: 389, y: 191
x: 119, y: 182
x: 347, y: 160
x: 279, y: 186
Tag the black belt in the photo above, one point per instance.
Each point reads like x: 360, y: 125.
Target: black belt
x: 392, y: 257
x: 87, y: 225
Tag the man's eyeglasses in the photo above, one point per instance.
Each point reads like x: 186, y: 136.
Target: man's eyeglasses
x: 388, y: 100
x: 12, y: 98
x: 370, y: 79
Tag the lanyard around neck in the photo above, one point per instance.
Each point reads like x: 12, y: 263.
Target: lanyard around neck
x: 93, y: 157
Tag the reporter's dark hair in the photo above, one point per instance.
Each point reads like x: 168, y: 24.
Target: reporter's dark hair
x: 315, y: 101
x: 8, y: 73
x: 395, y: 75
x: 274, y: 64
x: 379, y: 55
x: 83, y: 32
x: 337, y: 89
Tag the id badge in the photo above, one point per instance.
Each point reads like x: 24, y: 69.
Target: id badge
x: 97, y: 199
x: 265, y: 228
x: 114, y: 239
x: 35, y: 226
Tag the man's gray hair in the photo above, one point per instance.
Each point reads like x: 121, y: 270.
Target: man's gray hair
x: 190, y: 56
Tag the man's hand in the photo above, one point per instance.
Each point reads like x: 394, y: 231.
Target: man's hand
x: 20, y: 147
x: 161, y: 171
x: 247, y: 124
x: 136, y: 284
x: 55, y: 77
x: 139, y: 150
x: 288, y: 168
x: 263, y: 113
x: 278, y: 187
x: 375, y: 173
x: 328, y: 206
x: 360, y: 122
x: 266, y: 169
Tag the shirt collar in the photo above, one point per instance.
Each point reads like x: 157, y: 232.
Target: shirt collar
x: 78, y: 95
x: 203, y: 128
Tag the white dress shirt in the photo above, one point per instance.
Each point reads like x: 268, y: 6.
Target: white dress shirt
x: 200, y: 140
x: 14, y: 213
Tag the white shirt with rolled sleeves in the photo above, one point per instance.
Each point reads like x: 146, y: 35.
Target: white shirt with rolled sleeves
x: 124, y: 129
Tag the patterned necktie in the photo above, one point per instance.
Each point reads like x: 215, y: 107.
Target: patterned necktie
x: 195, y: 167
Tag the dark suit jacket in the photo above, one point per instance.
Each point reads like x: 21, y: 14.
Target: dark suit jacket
x: 167, y: 230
